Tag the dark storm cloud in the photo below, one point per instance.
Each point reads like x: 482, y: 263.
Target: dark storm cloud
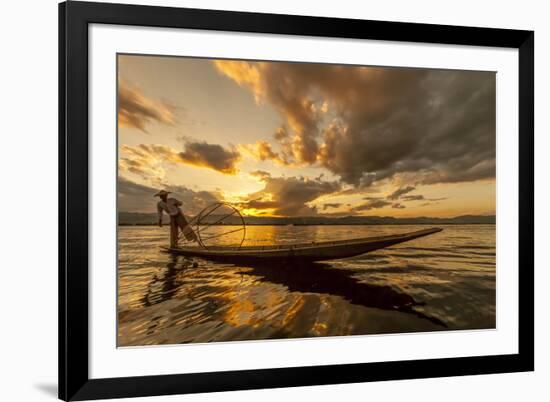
x: 366, y: 124
x: 135, y: 197
x: 289, y: 196
x: 137, y: 111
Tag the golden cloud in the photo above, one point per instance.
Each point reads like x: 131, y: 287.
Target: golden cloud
x: 146, y: 159
x: 288, y: 196
x: 137, y: 111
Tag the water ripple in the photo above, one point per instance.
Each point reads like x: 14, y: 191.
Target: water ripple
x: 443, y: 281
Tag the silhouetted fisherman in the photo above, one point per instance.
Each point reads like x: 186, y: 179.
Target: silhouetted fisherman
x: 172, y: 207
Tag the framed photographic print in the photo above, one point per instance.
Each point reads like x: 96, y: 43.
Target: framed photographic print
x: 256, y: 200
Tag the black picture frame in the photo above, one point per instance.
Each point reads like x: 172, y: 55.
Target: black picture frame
x: 74, y: 18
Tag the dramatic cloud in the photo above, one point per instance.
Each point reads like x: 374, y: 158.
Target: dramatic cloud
x: 289, y: 196
x: 146, y: 159
x: 400, y: 191
x: 137, y: 111
x: 134, y: 197
x: 367, y: 124
x: 211, y: 156
x: 269, y: 83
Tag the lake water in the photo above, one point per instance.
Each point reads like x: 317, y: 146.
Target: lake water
x: 445, y: 281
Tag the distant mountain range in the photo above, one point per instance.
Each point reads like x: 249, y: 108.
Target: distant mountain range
x: 137, y: 218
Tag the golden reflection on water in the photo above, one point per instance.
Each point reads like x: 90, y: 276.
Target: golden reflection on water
x: 443, y: 281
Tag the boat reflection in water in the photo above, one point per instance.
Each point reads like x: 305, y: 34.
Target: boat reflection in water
x: 441, y: 282
x: 321, y: 278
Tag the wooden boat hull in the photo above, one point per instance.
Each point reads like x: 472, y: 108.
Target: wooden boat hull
x: 318, y: 251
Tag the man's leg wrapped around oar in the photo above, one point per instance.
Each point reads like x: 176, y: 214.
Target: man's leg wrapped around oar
x: 185, y: 228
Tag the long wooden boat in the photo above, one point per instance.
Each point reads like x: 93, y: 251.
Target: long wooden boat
x: 316, y: 251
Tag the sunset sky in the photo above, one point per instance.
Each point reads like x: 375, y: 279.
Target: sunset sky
x: 293, y: 139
